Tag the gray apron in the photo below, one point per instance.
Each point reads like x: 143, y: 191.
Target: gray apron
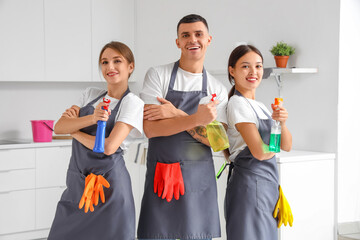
x: 114, y: 219
x: 195, y: 215
x: 252, y: 193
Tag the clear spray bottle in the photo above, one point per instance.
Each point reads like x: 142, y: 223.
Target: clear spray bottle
x: 275, y: 135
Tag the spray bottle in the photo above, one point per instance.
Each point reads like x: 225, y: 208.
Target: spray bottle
x: 216, y: 134
x: 275, y: 136
x: 100, y: 131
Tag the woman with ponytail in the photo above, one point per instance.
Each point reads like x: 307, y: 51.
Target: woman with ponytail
x: 252, y: 190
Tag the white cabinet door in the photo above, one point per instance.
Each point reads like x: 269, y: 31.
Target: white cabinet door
x: 22, y: 40
x: 46, y: 203
x: 12, y: 159
x: 68, y: 40
x: 17, y: 180
x: 112, y: 20
x: 51, y: 166
x: 309, y: 188
x: 17, y: 211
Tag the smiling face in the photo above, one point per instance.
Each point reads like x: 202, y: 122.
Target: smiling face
x: 247, y: 73
x: 193, y: 39
x: 114, y: 67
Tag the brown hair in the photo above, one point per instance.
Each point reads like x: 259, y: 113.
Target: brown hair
x: 122, y: 48
x: 235, y: 55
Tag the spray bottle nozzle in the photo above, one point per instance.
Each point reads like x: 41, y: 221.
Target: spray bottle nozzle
x: 278, y: 101
x: 107, y: 101
x: 213, y: 96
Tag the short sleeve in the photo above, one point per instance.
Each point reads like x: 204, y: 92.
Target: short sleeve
x: 239, y: 110
x: 151, y: 87
x: 131, y: 112
x: 221, y: 107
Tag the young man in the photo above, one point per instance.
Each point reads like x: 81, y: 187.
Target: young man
x: 179, y: 163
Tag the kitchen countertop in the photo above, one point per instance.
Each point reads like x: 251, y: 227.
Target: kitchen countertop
x: 282, y: 157
x: 28, y: 143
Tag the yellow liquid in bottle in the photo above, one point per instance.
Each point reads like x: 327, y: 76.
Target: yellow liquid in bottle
x: 217, y: 137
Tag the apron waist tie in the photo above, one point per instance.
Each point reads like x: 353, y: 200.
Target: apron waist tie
x: 93, y: 189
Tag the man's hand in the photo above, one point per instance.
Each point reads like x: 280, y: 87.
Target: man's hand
x: 163, y: 111
x: 206, y: 113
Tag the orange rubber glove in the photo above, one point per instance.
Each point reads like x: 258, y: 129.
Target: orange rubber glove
x: 99, y: 190
x: 88, y: 193
x: 168, y: 181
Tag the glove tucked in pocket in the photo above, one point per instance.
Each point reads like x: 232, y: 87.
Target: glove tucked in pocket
x: 168, y: 181
x: 283, y: 211
x: 93, y: 188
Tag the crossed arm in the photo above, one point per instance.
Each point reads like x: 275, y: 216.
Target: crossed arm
x: 166, y: 120
x: 71, y: 123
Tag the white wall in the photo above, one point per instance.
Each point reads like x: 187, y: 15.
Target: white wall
x: 349, y: 115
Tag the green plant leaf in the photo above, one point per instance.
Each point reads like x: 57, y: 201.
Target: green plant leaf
x: 282, y: 49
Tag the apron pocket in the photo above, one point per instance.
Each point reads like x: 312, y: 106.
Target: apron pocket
x: 75, y: 183
x: 267, y: 194
x: 197, y: 175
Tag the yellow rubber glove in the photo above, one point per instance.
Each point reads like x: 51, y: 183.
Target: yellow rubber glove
x: 88, y: 193
x: 283, y: 211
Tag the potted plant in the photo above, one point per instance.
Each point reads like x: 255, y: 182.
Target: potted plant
x: 281, y: 52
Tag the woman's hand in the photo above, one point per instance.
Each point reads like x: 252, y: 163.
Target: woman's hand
x: 279, y: 113
x: 72, y: 112
x: 101, y: 114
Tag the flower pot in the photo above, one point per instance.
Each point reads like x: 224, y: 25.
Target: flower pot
x: 281, y: 61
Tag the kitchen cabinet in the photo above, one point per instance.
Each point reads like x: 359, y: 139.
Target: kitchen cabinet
x: 308, y: 182
x: 67, y: 26
x: 17, y: 194
x: 17, y: 211
x: 112, y: 20
x: 60, y: 40
x: 22, y: 40
x: 33, y: 179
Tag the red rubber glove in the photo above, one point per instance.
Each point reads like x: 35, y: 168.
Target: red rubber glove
x: 178, y: 181
x: 168, y: 181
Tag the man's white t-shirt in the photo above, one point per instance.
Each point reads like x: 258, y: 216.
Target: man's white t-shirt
x: 157, y: 82
x: 240, y: 111
x: 130, y: 111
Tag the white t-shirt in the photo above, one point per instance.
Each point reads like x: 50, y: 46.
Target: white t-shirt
x: 130, y: 111
x: 239, y: 111
x: 157, y: 82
